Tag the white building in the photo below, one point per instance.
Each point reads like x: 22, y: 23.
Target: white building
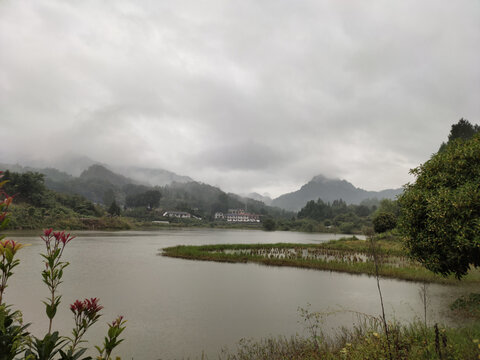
x: 237, y: 215
x: 177, y: 214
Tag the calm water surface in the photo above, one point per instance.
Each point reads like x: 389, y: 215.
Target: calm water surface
x: 178, y: 308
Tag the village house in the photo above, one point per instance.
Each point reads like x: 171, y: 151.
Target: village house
x: 237, y: 215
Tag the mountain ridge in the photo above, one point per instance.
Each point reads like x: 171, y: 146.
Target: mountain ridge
x: 100, y: 177
x: 321, y: 187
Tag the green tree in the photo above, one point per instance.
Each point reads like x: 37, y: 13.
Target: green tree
x: 28, y: 187
x: 114, y: 209
x: 389, y: 206
x: 269, y: 224
x: 441, y: 211
x: 361, y: 210
x: 150, y: 199
x: 384, y: 221
x: 462, y: 130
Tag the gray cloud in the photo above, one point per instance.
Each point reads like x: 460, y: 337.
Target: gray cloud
x: 248, y: 95
x: 244, y: 156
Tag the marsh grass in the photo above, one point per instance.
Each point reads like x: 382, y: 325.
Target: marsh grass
x: 349, y: 255
x: 365, y: 340
x: 467, y: 306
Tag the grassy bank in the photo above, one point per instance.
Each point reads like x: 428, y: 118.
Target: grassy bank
x: 414, y: 341
x: 346, y: 255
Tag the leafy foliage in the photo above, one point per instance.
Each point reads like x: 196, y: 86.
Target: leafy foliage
x: 114, y: 209
x: 462, y: 130
x: 46, y: 348
x: 468, y: 305
x: 346, y: 218
x: 112, y: 340
x: 441, y: 210
x: 269, y: 224
x: 28, y: 187
x: 383, y: 222
x: 149, y: 199
x: 37, y: 207
x: 12, y: 333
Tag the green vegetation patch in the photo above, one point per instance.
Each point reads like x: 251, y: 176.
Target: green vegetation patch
x: 467, y: 306
x: 349, y: 255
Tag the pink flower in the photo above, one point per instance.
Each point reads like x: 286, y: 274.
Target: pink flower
x: 47, y: 232
x: 58, y: 235
x: 66, y: 238
x: 88, y: 307
x: 92, y: 306
x: 77, y: 307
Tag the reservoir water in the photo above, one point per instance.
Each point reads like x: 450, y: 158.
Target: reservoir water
x: 180, y: 308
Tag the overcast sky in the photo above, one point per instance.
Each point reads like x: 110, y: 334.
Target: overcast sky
x: 249, y: 95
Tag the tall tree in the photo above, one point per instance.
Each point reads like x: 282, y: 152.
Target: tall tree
x: 463, y: 129
x: 441, y: 210
x: 114, y: 209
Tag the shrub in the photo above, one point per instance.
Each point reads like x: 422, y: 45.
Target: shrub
x: 383, y: 222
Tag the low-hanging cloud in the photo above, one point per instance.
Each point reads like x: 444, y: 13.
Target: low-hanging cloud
x: 248, y: 156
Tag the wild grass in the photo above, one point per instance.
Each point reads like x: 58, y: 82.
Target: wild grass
x: 348, y: 255
x: 467, y: 306
x: 366, y: 340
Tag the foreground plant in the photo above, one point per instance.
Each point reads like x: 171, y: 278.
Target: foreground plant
x: 55, y: 243
x: 14, y: 339
x: 112, y: 340
x: 12, y: 330
x: 8, y: 249
x: 85, y: 313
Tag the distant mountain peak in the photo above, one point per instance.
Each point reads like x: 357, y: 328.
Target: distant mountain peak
x: 327, y: 189
x: 266, y: 199
x: 320, y: 179
x: 97, y: 171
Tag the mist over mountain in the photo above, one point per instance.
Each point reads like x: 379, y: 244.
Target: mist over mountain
x: 72, y: 165
x: 50, y: 173
x: 101, y: 172
x: 97, y: 179
x: 153, y: 177
x: 329, y: 190
x: 267, y: 200
x: 103, y: 185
